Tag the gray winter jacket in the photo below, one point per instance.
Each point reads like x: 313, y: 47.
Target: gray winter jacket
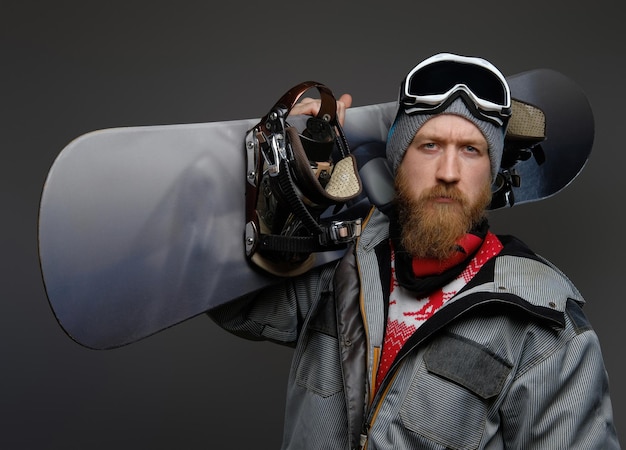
x: 510, y: 362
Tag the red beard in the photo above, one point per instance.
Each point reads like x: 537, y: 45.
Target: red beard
x: 432, y: 229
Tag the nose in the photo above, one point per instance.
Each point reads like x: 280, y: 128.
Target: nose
x: 448, y: 169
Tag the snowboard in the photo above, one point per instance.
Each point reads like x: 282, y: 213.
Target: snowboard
x: 141, y: 228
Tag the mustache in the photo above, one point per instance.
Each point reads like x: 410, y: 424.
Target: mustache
x: 447, y: 191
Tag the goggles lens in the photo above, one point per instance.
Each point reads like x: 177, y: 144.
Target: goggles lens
x: 435, y: 81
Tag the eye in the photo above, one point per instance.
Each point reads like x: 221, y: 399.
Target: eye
x: 475, y: 150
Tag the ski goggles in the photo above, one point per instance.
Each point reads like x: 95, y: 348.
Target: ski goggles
x: 434, y: 83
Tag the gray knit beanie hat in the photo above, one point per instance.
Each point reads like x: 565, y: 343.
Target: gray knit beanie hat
x: 406, y: 126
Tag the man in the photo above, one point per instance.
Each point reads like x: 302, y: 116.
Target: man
x: 432, y: 332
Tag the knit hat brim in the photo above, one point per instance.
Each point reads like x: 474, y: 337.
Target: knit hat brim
x: 406, y: 126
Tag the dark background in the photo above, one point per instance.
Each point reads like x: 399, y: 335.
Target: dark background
x: 69, y: 67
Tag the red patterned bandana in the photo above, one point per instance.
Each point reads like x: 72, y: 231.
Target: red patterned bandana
x: 407, y: 313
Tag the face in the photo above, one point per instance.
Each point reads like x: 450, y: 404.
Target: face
x: 443, y: 185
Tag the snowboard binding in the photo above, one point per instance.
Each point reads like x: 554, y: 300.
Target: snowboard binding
x: 525, y: 132
x: 293, y: 178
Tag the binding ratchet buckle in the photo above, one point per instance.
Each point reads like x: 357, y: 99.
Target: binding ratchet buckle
x: 342, y: 231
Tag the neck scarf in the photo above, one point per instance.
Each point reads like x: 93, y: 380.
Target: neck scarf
x: 424, y: 275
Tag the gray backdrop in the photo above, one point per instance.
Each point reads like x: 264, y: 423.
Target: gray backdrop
x: 69, y: 67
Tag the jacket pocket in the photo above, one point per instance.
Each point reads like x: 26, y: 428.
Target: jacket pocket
x: 319, y: 367
x: 449, y: 396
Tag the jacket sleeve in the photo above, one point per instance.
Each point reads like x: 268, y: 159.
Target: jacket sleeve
x: 275, y: 313
x: 562, y: 401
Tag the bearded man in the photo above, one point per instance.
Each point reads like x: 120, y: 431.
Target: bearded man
x: 432, y: 332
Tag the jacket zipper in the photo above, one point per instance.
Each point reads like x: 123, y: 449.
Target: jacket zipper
x: 374, y: 408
